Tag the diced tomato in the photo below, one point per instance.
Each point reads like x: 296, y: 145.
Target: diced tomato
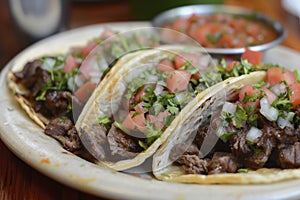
x: 253, y: 57
x: 200, y: 34
x: 182, y: 59
x: 227, y: 41
x: 165, y: 65
x: 139, y: 107
x: 159, y: 119
x: 253, y: 29
x: 246, y: 91
x: 162, y: 115
x: 178, y: 81
x: 196, y: 76
x: 231, y: 65
x: 180, y: 24
x: 277, y: 75
x: 270, y: 95
x: 141, y: 92
x: 295, y: 96
x: 70, y: 63
x: 153, y: 120
x: 88, y: 48
x: 84, y: 92
x: 135, y: 121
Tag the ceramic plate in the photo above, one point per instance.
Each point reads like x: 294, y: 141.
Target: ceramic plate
x: 45, y: 154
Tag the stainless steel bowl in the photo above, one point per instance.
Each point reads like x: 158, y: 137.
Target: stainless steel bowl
x: 186, y: 11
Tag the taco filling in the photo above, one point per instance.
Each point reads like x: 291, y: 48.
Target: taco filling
x: 259, y: 127
x: 152, y: 100
x: 150, y: 103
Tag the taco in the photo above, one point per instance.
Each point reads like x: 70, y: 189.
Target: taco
x: 136, y: 108
x: 245, y: 130
x: 48, y: 88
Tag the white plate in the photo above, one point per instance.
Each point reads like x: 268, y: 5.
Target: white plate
x: 43, y: 153
x: 292, y: 6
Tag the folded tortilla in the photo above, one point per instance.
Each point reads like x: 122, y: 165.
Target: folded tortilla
x: 107, y: 98
x: 195, y: 115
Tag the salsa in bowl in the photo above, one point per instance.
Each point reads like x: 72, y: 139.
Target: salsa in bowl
x: 220, y: 29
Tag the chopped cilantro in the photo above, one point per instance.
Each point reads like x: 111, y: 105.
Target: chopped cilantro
x: 227, y: 135
x: 296, y: 73
x: 242, y: 170
x: 105, y: 121
x: 251, y: 97
x: 283, y: 104
x: 259, y: 84
x: 240, y: 116
x: 213, y: 38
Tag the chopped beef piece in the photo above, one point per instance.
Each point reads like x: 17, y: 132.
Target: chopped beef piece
x: 95, y: 141
x: 263, y: 149
x: 190, y: 158
x: 27, y: 77
x: 222, y: 163
x: 121, y: 144
x: 64, y: 131
x: 178, y: 150
x: 58, y: 102
x: 73, y: 143
x: 285, y: 136
x: 193, y: 164
x: 239, y: 146
x: 200, y: 135
x: 289, y: 157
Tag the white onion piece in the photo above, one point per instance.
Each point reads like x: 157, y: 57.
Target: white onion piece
x: 286, y: 122
x: 78, y: 81
x: 267, y: 110
x: 48, y: 64
x: 278, y: 89
x: 158, y: 89
x: 180, y: 96
x: 151, y: 78
x: 253, y: 134
x: 229, y: 107
x: 220, y: 131
x: 282, y: 123
x: 71, y: 84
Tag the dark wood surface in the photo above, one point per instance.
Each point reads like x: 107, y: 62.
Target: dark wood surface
x: 20, y: 181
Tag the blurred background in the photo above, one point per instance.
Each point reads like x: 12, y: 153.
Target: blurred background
x: 24, y: 22
x: 52, y: 16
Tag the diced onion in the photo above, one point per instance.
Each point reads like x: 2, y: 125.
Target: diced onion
x: 253, y: 134
x: 71, y: 84
x: 267, y: 110
x: 151, y: 78
x: 220, y: 131
x: 286, y: 122
x: 180, y: 96
x: 229, y: 107
x: 278, y: 89
x: 158, y: 89
x: 48, y: 64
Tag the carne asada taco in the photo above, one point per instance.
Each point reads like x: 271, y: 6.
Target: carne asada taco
x: 133, y: 110
x: 52, y: 88
x: 249, y: 135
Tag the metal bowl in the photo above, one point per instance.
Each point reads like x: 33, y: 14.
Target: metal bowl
x: 186, y: 11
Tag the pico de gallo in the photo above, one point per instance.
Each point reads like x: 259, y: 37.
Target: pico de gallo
x: 222, y: 30
x: 155, y: 97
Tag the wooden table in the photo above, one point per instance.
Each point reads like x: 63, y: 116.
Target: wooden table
x: 20, y: 181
